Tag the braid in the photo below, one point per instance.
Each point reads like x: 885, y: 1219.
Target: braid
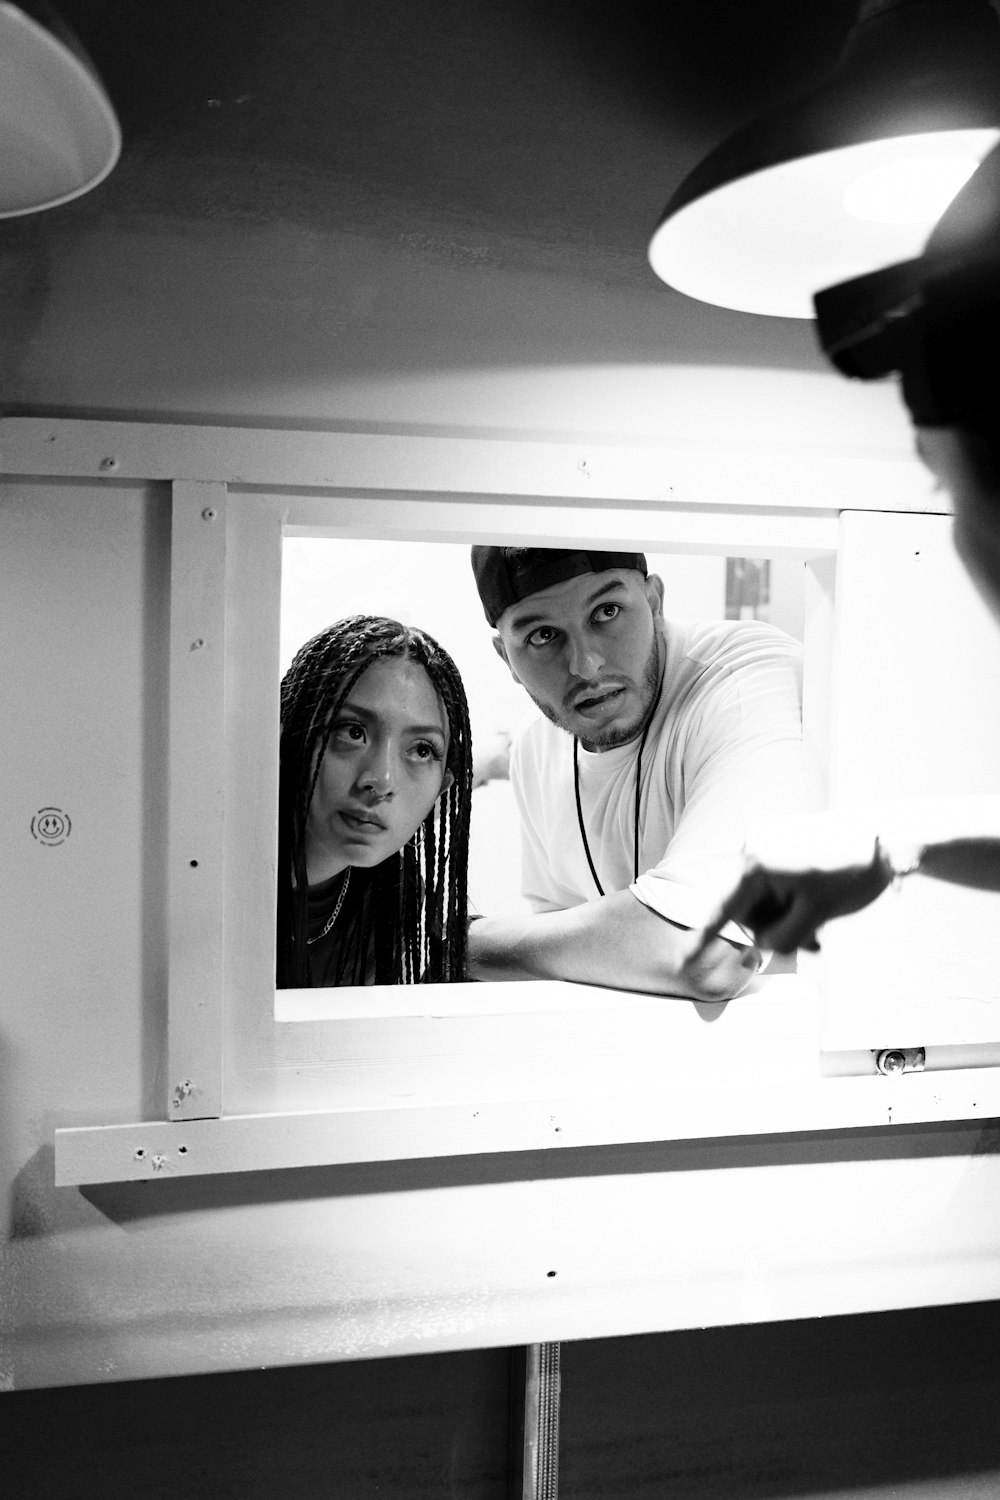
x: 407, y: 917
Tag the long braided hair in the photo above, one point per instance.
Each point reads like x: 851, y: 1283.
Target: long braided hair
x: 407, y: 917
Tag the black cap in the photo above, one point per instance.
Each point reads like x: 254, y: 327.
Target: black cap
x: 506, y: 574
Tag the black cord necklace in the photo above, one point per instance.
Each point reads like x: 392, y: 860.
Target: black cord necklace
x: 638, y: 789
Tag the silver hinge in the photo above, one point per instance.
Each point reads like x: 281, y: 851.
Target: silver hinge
x: 890, y: 1060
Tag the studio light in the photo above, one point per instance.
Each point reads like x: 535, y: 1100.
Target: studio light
x: 59, y: 136
x: 847, y: 178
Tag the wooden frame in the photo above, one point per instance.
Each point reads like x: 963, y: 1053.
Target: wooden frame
x: 485, y: 1068
x: 196, y: 833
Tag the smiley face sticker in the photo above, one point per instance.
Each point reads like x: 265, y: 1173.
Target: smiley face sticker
x: 51, y: 826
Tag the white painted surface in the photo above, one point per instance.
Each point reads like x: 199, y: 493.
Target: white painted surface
x: 360, y: 1262
x: 783, y: 476
x: 240, y: 1269
x: 915, y: 725
x: 195, y: 837
x: 726, y: 1105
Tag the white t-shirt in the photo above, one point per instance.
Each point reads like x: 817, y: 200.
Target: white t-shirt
x: 724, y: 749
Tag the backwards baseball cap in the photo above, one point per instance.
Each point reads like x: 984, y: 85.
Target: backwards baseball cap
x: 506, y: 574
x: 926, y: 317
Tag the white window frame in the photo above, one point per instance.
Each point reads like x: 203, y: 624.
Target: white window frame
x: 438, y: 1070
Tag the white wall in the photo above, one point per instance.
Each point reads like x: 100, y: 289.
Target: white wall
x: 239, y: 1270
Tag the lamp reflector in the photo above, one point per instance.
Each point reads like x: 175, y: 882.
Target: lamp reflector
x: 59, y: 136
x: 766, y: 242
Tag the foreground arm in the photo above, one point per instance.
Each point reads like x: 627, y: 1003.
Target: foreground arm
x: 616, y: 941
x: 784, y: 898
x: 970, y: 861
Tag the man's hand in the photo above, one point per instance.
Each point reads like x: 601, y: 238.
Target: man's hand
x: 796, y: 877
x: 616, y: 941
x: 491, y: 759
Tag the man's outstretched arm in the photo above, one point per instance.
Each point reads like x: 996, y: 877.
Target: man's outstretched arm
x: 616, y: 941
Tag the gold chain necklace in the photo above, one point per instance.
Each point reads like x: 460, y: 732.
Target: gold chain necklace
x: 336, y: 910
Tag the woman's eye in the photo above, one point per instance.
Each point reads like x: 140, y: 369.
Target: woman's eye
x: 424, y: 750
x: 348, y: 733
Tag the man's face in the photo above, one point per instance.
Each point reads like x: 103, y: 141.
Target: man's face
x: 587, y: 652
x: 967, y: 467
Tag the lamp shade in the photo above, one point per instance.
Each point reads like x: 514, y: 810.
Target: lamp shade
x: 59, y: 136
x: 847, y: 178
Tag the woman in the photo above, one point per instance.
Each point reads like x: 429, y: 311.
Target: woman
x: 374, y: 801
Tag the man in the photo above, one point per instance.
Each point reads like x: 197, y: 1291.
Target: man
x: 657, y: 744
x: 936, y: 322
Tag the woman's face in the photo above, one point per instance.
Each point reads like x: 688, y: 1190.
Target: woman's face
x: 966, y: 466
x: 382, y: 771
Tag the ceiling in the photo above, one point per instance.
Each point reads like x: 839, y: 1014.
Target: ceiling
x: 531, y: 143
x: 542, y: 131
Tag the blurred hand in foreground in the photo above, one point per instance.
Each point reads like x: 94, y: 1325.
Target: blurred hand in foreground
x: 797, y: 875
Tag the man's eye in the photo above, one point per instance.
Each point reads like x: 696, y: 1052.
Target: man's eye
x: 543, y: 636
x: 608, y: 612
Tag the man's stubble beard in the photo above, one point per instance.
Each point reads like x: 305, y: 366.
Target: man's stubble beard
x: 621, y: 734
